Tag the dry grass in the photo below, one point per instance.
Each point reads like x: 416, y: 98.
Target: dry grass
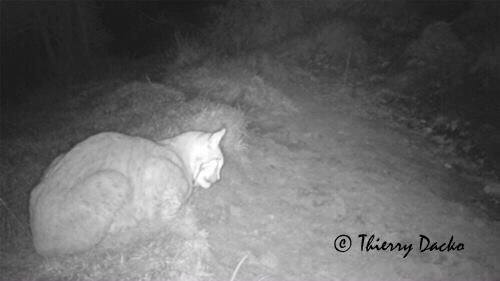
x: 236, y: 86
x: 179, y: 254
x: 208, y: 116
x: 156, y: 111
x: 130, y: 106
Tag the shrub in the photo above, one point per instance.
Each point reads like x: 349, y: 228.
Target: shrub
x: 189, y: 50
x: 438, y: 51
x: 338, y: 42
x: 236, y: 86
x: 243, y: 25
x: 436, y: 63
x: 487, y: 69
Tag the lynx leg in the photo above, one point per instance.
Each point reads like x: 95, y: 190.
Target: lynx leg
x: 79, y: 219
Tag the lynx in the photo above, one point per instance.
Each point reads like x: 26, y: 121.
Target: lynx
x: 111, y: 183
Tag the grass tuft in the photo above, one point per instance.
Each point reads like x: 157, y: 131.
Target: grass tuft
x: 237, y: 86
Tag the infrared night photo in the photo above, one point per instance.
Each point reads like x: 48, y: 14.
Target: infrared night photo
x: 250, y: 140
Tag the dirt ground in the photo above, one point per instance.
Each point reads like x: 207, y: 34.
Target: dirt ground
x: 330, y: 171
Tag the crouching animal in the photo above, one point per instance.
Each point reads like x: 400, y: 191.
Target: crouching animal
x: 111, y: 183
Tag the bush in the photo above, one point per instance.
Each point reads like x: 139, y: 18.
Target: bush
x: 438, y: 51
x: 487, y: 69
x: 436, y: 64
x: 236, y: 86
x: 243, y: 25
x: 189, y: 50
x: 338, y: 42
x: 479, y: 26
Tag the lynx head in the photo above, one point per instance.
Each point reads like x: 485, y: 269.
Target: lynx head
x: 202, y: 155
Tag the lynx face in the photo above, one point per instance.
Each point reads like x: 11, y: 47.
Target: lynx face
x: 209, y: 173
x: 202, y: 154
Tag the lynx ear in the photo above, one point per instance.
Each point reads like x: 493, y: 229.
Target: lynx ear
x: 216, y: 137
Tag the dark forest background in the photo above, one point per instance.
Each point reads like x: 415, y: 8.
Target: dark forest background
x: 68, y: 40
x: 442, y: 56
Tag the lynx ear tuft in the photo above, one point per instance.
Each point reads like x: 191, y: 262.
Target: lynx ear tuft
x: 216, y: 137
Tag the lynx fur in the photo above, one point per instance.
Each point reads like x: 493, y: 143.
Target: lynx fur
x: 112, y: 183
